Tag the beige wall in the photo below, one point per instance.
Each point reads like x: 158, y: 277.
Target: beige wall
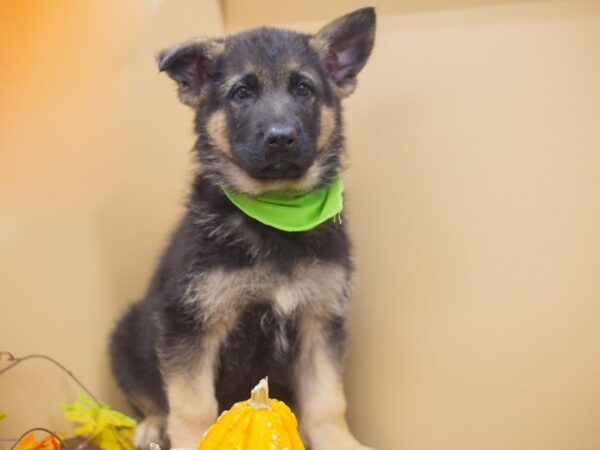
x: 473, y: 183
x: 475, y: 205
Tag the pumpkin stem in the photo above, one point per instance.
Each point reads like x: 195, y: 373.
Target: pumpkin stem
x: 259, y: 398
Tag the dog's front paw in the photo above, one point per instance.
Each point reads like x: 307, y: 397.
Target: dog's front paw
x: 148, y: 431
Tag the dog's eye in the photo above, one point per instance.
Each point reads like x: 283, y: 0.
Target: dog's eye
x: 303, y: 89
x: 242, y: 93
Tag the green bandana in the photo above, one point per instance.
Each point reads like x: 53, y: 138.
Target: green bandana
x: 292, y: 211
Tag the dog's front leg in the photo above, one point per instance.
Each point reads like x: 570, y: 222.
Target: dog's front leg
x: 192, y: 403
x: 321, y: 400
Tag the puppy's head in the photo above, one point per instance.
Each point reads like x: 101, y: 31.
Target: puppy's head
x: 267, y: 101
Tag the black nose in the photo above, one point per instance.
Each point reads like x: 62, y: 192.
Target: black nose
x: 281, y: 137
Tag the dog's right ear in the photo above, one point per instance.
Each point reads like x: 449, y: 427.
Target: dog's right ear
x: 190, y: 63
x: 345, y: 45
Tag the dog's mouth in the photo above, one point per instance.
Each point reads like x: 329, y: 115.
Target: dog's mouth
x: 280, y: 170
x: 268, y: 166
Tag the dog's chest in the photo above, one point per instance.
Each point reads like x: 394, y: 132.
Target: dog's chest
x: 258, y: 311
x: 317, y: 288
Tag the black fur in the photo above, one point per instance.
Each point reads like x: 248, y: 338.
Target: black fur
x: 163, y: 332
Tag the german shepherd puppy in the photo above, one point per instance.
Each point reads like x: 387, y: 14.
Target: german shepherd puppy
x: 234, y: 300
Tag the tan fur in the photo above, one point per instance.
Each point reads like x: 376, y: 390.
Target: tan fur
x: 347, y: 89
x: 264, y: 76
x: 327, y: 126
x: 292, y: 66
x: 228, y: 84
x: 188, y: 99
x: 244, y: 183
x: 191, y: 393
x: 318, y: 287
x: 192, y: 403
x: 308, y: 72
x: 216, y: 127
x: 215, y: 48
x: 219, y: 296
x: 321, y: 400
x: 147, y: 431
x: 319, y: 44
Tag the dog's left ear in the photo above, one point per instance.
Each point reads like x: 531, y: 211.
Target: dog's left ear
x: 345, y: 45
x: 190, y: 64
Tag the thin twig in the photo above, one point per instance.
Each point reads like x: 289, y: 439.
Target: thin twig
x: 16, y: 361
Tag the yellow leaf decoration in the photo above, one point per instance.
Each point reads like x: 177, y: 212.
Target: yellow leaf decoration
x: 108, y: 428
x: 2, y: 415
